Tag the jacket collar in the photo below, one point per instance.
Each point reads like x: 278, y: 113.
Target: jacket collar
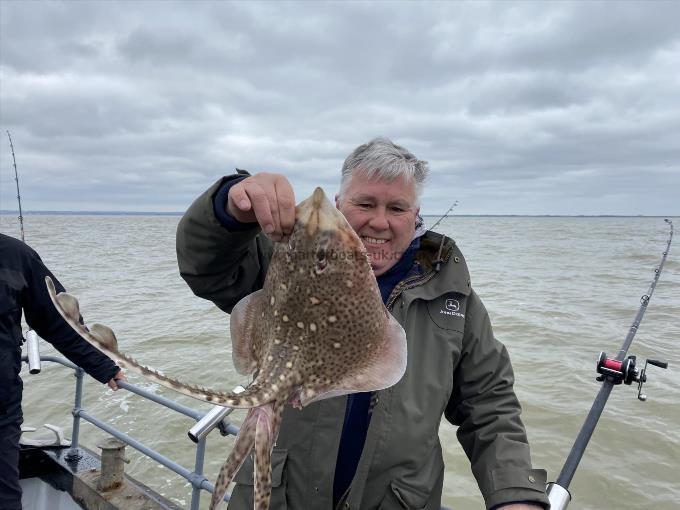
x: 443, y: 267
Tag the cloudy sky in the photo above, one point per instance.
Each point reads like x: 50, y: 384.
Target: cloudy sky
x: 519, y: 107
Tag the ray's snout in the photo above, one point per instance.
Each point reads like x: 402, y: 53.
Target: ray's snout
x: 318, y: 213
x: 318, y: 197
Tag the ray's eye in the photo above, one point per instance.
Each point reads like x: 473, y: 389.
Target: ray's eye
x: 321, y: 261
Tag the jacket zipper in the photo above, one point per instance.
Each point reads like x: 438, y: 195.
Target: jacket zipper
x: 407, y: 284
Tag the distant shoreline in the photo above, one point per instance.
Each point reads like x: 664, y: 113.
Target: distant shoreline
x: 157, y: 213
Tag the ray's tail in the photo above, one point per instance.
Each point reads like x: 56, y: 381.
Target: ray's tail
x: 103, y: 338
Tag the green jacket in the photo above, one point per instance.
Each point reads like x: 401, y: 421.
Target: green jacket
x: 455, y: 368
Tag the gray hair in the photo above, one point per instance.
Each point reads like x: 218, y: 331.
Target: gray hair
x: 383, y: 159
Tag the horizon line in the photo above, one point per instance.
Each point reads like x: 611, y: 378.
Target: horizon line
x: 180, y: 213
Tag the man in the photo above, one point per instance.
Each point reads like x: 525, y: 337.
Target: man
x: 22, y: 288
x: 375, y: 450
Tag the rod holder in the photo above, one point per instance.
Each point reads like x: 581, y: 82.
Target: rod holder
x: 558, y: 496
x: 212, y: 419
x: 33, y: 352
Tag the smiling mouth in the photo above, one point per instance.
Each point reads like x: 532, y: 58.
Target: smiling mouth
x: 373, y: 240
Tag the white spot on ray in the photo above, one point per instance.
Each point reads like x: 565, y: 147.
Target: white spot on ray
x: 270, y: 357
x: 312, y: 327
x: 332, y: 318
x: 275, y: 387
x: 271, y: 301
x: 289, y: 364
x: 349, y: 283
x: 284, y: 318
x: 277, y: 341
x: 301, y: 325
x: 296, y: 348
x: 337, y: 345
x: 314, y: 300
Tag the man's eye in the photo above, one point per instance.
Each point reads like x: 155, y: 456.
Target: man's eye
x: 364, y: 205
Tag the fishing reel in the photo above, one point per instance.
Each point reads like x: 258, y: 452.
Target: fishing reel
x: 625, y: 371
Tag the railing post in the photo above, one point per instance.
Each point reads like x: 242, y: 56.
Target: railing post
x: 77, y: 408
x: 198, y: 470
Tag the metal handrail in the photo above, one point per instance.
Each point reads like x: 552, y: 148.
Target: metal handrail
x: 196, y: 477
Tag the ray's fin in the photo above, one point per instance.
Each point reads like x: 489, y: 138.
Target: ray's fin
x: 245, y: 440
x: 258, y: 432
x: 383, y: 369
x: 241, y: 325
x: 268, y: 424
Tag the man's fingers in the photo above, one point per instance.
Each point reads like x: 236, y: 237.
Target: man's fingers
x: 265, y: 198
x: 120, y: 376
x: 260, y: 203
x: 286, y: 205
x: 238, y: 199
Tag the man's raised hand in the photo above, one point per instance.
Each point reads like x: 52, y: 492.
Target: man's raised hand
x: 267, y: 199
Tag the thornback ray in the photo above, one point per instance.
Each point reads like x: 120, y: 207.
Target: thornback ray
x: 318, y: 328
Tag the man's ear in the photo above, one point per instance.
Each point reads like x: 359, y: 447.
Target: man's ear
x: 337, y: 201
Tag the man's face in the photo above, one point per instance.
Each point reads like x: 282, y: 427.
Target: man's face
x: 383, y: 214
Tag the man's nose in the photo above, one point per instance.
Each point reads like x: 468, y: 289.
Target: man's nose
x: 379, y: 219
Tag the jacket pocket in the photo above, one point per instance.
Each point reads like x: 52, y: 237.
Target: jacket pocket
x: 401, y: 497
x: 242, y: 497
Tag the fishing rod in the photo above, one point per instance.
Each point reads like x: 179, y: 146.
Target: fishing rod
x: 32, y: 338
x: 445, y: 215
x: 613, y: 371
x: 16, y: 178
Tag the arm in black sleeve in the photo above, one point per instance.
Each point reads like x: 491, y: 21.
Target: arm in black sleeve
x: 42, y: 316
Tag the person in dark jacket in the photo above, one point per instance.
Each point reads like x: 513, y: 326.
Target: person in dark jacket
x: 22, y: 289
x: 377, y: 450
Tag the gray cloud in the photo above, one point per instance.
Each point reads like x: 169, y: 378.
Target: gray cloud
x: 521, y: 108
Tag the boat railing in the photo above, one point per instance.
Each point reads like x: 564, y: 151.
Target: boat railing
x: 205, y: 422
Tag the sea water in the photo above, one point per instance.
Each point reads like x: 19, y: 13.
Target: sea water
x: 558, y: 290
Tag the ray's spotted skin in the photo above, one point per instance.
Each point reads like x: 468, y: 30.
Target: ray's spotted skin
x: 317, y: 329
